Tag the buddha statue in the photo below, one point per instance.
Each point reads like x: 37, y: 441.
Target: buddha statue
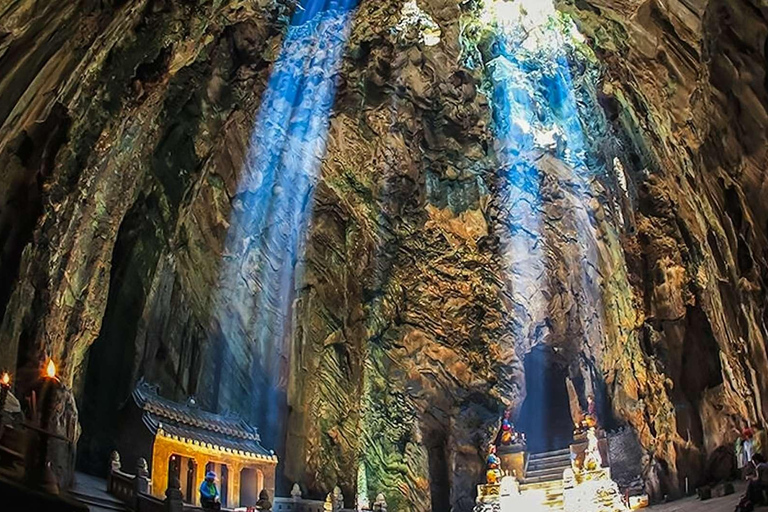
x: 592, y: 458
x: 508, y: 434
x: 591, y: 417
x: 493, y: 466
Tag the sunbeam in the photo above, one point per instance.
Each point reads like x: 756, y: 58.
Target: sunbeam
x: 271, y: 210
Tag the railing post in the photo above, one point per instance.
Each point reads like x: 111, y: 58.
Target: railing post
x: 380, y: 505
x: 142, y: 476
x: 114, y: 467
x: 174, y: 502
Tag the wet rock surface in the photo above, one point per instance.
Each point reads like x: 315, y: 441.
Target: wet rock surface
x: 437, y: 253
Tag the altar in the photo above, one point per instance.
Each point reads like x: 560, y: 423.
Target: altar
x: 572, y: 479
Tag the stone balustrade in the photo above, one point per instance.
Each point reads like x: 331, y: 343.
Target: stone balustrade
x: 297, y: 505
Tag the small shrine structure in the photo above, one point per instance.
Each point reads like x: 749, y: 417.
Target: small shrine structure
x: 184, y: 442
x: 576, y: 478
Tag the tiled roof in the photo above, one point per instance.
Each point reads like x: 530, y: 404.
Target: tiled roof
x: 190, y: 422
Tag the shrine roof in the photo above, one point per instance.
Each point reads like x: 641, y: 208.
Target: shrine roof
x: 228, y: 431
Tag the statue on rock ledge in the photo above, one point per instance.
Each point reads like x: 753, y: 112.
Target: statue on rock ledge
x: 508, y: 435
x: 589, y: 419
x: 592, y: 458
x: 493, y: 466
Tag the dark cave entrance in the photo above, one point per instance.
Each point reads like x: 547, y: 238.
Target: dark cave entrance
x: 439, y: 476
x: 545, y: 416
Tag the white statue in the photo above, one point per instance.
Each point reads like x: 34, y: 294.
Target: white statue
x: 509, y: 494
x: 338, y: 498
x: 380, y: 505
x: 296, y: 492
x: 592, y: 458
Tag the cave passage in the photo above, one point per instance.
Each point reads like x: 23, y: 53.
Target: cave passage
x: 545, y: 416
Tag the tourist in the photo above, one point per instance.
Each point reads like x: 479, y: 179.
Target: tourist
x: 748, y: 441
x: 741, y: 458
x: 209, y: 494
x: 758, y: 484
x: 760, y: 440
x: 264, y: 503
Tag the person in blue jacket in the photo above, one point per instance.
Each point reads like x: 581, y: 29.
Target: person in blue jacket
x: 209, y: 494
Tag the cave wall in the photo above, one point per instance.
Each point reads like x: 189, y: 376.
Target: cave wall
x: 686, y: 82
x: 433, y: 261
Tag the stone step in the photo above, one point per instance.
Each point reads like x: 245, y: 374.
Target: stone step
x: 93, y: 492
x: 550, y: 493
x: 543, y: 463
x: 562, y: 460
x: 553, y: 454
x: 552, y: 473
x: 552, y: 487
x: 99, y: 503
x: 541, y: 479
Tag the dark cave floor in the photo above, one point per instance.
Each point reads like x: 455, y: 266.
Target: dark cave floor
x: 692, y: 504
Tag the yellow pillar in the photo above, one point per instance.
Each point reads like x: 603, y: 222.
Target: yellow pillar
x: 233, y: 484
x: 161, y: 454
x: 199, y: 477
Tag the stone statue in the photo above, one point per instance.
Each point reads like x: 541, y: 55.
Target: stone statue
x: 380, y: 505
x: 338, y: 498
x: 264, y: 503
x: 592, y: 458
x: 592, y: 420
x: 508, y: 434
x: 114, y: 461
x: 141, y: 482
x: 328, y: 505
x: 509, y: 486
x: 296, y: 492
x: 493, y: 466
x: 142, y: 469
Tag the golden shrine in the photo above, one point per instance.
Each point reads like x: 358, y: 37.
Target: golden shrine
x: 184, y: 441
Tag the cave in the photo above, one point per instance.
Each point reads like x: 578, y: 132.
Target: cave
x: 545, y: 415
x: 374, y: 251
x: 439, y: 476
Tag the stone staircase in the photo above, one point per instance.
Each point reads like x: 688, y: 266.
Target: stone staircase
x: 544, y: 478
x: 92, y: 491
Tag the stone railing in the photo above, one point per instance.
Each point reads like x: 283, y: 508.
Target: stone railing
x: 147, y: 503
x: 133, y: 490
x: 334, y: 502
x: 126, y: 487
x: 297, y: 505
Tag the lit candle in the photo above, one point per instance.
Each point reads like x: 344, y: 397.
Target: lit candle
x: 5, y: 387
x: 37, y: 470
x: 48, y: 394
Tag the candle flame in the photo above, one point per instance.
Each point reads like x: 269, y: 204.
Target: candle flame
x: 50, y: 369
x: 6, y: 380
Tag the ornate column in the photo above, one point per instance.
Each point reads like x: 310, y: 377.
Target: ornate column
x: 199, y: 476
x: 233, y: 484
x: 159, y: 477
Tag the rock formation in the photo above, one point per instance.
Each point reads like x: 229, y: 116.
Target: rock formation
x: 437, y: 252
